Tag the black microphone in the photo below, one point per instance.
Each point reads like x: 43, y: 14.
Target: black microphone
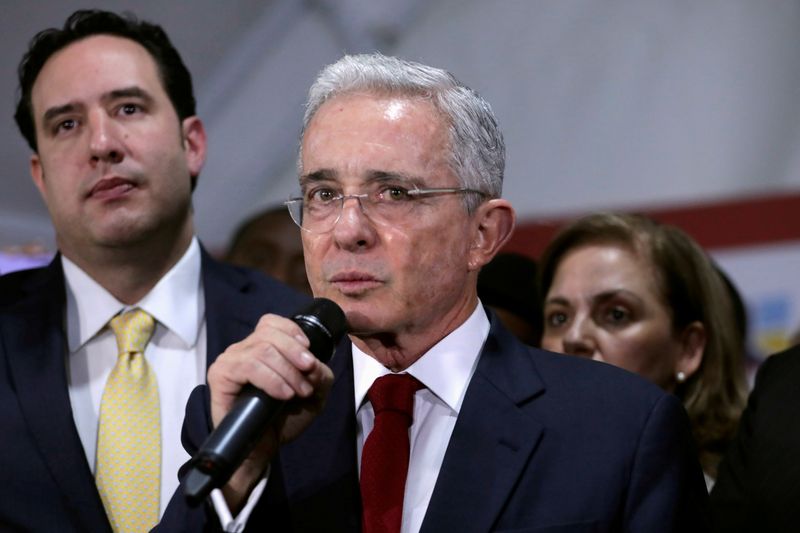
x: 324, y: 323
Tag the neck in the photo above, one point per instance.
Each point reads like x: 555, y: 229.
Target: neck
x: 130, y: 272
x: 398, y: 351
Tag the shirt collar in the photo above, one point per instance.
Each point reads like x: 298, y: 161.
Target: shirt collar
x: 175, y: 301
x: 445, y: 370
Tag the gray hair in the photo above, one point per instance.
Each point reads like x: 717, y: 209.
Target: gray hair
x: 477, y: 150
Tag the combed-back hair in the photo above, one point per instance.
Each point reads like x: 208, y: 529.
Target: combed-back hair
x: 477, y: 150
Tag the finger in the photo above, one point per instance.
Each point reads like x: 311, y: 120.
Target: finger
x: 281, y: 369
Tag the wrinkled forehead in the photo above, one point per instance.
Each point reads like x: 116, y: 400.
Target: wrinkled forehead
x: 373, y: 138
x: 391, y: 106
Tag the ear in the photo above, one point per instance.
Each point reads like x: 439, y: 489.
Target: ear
x: 37, y: 173
x: 194, y: 144
x: 693, y: 343
x: 494, y: 222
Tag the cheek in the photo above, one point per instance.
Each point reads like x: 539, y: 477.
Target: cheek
x: 312, y: 251
x: 647, y: 352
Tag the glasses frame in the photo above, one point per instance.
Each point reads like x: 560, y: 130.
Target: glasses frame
x: 413, y: 193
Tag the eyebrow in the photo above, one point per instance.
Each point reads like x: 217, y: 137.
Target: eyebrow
x: 53, y: 112
x: 116, y: 94
x: 600, y: 297
x: 383, y: 176
x: 560, y: 300
x: 373, y: 176
x: 128, y: 92
x: 317, y: 176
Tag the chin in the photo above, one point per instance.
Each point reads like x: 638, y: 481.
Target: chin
x: 360, y: 321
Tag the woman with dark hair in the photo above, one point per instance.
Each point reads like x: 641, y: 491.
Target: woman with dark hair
x: 644, y: 296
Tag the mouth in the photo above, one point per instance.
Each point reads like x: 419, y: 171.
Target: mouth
x: 111, y: 188
x: 353, y: 283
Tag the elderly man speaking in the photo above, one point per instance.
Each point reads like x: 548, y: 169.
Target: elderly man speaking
x: 432, y: 417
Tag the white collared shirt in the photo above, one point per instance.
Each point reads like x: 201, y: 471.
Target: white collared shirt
x: 176, y: 353
x: 446, y: 371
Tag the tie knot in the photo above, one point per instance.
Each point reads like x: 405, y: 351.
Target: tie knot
x: 133, y: 330
x: 394, y: 392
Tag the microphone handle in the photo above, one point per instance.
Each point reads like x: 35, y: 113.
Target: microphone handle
x: 240, y: 430
x: 228, y: 445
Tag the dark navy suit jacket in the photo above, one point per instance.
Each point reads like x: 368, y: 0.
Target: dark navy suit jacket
x: 45, y: 481
x: 543, y: 443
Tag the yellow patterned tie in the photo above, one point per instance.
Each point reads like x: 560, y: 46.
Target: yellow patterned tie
x: 128, y: 468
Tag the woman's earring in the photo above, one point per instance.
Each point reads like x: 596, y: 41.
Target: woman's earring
x: 681, y: 377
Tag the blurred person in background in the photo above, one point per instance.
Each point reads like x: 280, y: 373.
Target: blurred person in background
x: 508, y: 286
x: 644, y: 296
x: 758, y: 486
x: 270, y: 242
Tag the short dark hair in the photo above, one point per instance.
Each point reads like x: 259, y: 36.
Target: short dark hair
x: 84, y: 23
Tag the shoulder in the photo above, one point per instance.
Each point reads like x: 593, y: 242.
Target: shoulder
x: 19, y: 285
x: 226, y: 284
x: 781, y: 364
x: 575, y: 386
x: 604, y: 390
x: 777, y: 381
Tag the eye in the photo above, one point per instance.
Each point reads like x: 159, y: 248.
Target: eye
x: 129, y: 109
x: 393, y: 193
x: 65, y: 125
x: 321, y: 195
x: 556, y: 319
x: 618, y: 315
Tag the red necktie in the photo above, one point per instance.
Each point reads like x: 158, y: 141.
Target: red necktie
x: 384, y: 459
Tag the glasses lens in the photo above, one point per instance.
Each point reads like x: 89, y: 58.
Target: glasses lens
x: 314, y: 216
x: 295, y: 207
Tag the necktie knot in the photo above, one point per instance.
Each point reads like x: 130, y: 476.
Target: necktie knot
x: 394, y: 392
x: 132, y: 330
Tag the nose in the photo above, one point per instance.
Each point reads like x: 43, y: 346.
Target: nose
x: 104, y: 141
x: 579, y: 338
x: 354, y: 230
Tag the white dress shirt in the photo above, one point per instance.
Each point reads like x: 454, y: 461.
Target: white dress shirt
x: 176, y: 353
x: 445, y: 370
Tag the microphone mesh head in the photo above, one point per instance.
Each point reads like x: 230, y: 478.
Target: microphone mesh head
x: 324, y: 323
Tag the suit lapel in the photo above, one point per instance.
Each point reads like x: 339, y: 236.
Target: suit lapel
x: 321, y: 474
x: 492, y: 441
x: 33, y: 336
x: 229, y: 314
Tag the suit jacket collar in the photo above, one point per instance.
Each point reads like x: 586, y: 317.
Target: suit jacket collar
x: 492, y: 441
x: 228, y: 317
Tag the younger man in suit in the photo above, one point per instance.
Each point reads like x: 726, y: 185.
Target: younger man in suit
x: 432, y: 417
x: 106, y: 104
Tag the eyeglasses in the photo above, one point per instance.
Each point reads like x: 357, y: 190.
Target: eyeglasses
x: 320, y: 208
